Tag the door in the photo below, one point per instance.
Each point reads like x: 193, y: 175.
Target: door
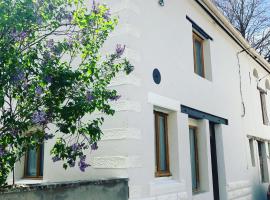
x: 214, y: 161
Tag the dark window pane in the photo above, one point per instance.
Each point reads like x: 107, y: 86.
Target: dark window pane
x: 162, y: 144
x: 41, y: 159
x: 31, y: 163
x: 193, y: 158
x: 264, y: 108
x: 199, y: 58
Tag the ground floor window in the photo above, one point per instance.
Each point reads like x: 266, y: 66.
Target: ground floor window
x: 194, y: 158
x: 162, y: 145
x: 34, y: 162
x: 262, y: 161
x: 251, y: 148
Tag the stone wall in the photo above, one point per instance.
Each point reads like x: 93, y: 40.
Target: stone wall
x: 113, y: 189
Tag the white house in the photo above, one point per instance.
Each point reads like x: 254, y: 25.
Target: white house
x: 192, y: 122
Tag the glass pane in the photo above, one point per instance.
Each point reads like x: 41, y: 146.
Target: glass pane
x: 31, y: 163
x: 198, y: 56
x: 162, y: 144
x: 41, y: 159
x: 193, y: 158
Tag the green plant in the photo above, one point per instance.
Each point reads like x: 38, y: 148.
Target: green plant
x: 52, y: 76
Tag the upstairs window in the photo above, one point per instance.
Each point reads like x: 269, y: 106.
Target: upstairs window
x: 198, y: 53
x: 34, y: 162
x: 264, y: 108
x: 162, y: 148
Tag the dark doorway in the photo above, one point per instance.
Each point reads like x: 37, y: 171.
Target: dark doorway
x: 214, y: 161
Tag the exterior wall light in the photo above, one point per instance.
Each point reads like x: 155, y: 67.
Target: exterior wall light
x: 161, y: 2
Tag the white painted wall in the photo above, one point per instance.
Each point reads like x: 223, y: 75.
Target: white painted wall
x: 161, y: 37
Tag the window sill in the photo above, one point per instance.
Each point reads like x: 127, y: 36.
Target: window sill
x: 165, y: 185
x: 29, y: 181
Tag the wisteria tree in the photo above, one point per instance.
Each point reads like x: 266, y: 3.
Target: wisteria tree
x: 52, y: 74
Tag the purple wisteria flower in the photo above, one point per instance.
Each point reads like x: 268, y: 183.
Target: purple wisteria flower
x: 19, y: 76
x: 56, y: 158
x: 107, y: 15
x: 94, y: 146
x: 75, y: 147
x: 89, y: 96
x: 50, y: 44
x: 47, y: 56
x: 38, y: 90
x: 18, y: 36
x: 39, y: 117
x: 69, y: 17
x: 48, y: 79
x: 95, y: 7
x: 120, y: 50
x: 22, y: 35
x: 115, y: 98
x: 48, y: 136
x: 14, y: 132
x: 82, y: 164
x: 39, y: 20
x: 2, y: 151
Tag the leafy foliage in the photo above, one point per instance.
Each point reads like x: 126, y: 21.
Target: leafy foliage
x: 52, y: 76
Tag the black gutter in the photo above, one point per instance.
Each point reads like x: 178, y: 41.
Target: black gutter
x: 221, y: 26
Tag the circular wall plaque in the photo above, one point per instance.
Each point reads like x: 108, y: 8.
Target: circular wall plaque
x: 156, y: 76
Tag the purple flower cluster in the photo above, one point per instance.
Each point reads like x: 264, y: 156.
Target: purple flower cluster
x: 19, y: 76
x: 77, y: 146
x: 14, y: 132
x: 107, y: 15
x: 89, y: 96
x: 82, y: 164
x: 38, y: 90
x: 18, y: 36
x: 94, y: 146
x: 48, y: 79
x: 69, y: 17
x: 95, y: 7
x: 56, y: 158
x: 50, y: 44
x: 120, y: 50
x: 39, y: 117
x: 115, y: 98
x: 2, y: 151
x: 48, y: 136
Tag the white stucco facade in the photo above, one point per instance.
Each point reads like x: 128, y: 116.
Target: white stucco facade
x: 161, y: 37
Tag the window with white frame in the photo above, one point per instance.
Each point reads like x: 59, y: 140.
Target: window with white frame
x: 263, y: 161
x: 251, y: 148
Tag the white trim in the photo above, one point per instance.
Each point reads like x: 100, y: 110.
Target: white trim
x: 116, y: 162
x: 121, y: 134
x: 163, y: 102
